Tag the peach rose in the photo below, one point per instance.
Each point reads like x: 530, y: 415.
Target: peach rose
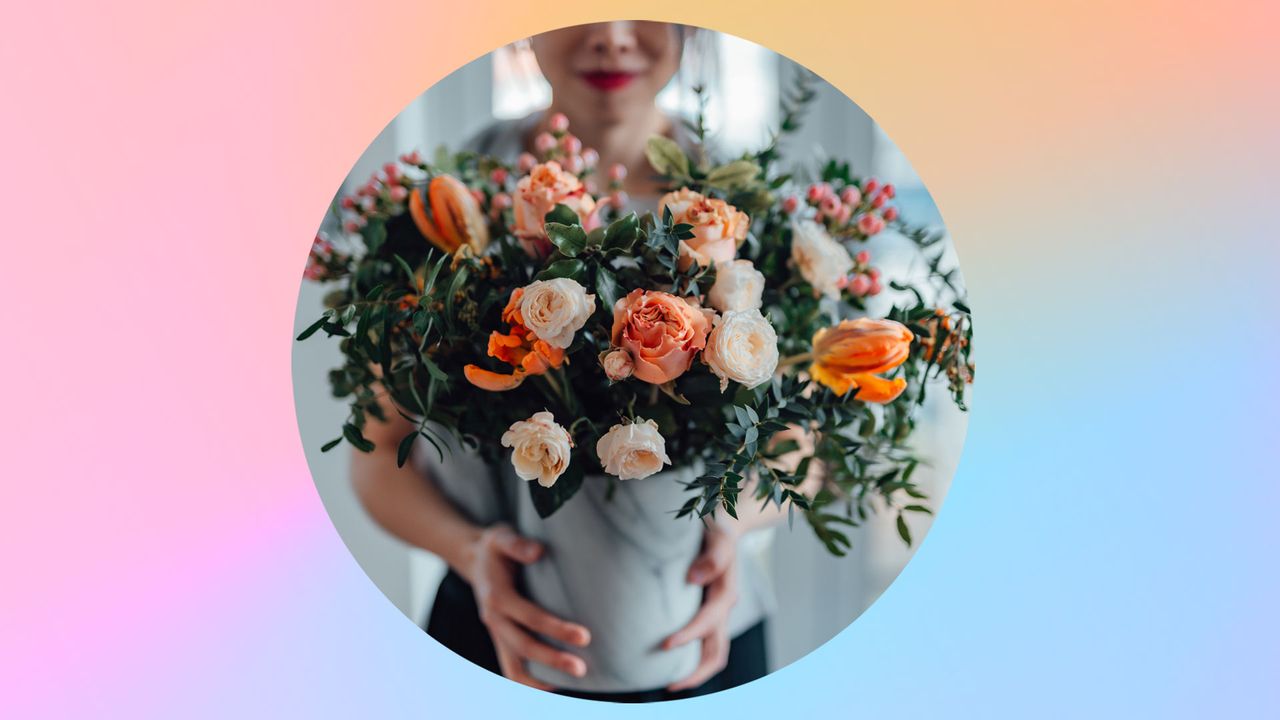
x: 537, y: 193
x: 742, y: 347
x: 662, y: 333
x: 718, y: 227
x: 617, y: 364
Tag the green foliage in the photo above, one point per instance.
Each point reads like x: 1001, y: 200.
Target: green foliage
x: 408, y: 319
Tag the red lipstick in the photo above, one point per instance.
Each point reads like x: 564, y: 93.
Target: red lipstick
x: 608, y: 80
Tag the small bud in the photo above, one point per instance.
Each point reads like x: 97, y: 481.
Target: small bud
x: 559, y: 123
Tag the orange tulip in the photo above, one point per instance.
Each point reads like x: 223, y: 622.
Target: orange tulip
x: 850, y: 355
x: 455, y: 219
x: 519, y: 348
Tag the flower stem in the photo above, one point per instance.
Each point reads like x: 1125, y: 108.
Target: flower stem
x: 795, y: 359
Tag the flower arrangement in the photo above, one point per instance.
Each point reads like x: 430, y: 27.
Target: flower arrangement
x: 520, y: 309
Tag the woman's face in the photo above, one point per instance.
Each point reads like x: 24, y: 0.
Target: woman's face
x: 608, y: 69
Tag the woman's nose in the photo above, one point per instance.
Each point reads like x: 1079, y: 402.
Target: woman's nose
x: 612, y: 37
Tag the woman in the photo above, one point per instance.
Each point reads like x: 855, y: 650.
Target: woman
x: 605, y: 78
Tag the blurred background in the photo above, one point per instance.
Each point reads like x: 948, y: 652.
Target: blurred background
x: 818, y: 595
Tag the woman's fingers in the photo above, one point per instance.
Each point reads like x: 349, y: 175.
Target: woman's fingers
x: 714, y: 613
x: 522, y: 550
x: 513, y: 669
x: 544, y: 623
x: 715, y: 656
x: 716, y: 557
x: 522, y: 645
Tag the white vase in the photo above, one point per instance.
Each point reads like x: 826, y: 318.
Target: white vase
x: 618, y: 567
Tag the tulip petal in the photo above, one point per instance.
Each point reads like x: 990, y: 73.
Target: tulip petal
x: 418, y: 211
x: 492, y: 381
x: 875, y: 389
x: 840, y: 384
x: 447, y: 197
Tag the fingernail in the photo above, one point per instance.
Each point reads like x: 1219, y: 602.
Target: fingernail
x: 697, y: 576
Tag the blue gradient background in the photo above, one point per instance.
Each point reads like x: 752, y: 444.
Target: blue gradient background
x: 1107, y: 548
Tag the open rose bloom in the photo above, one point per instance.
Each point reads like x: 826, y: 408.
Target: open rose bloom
x: 574, y: 343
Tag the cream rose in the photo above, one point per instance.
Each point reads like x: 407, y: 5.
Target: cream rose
x: 821, y: 260
x: 540, y: 448
x: 617, y: 364
x: 742, y: 347
x: 718, y: 227
x: 738, y: 286
x: 556, y: 309
x: 633, y: 451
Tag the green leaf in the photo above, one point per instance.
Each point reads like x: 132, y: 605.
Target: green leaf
x: 547, y: 500
x: 569, y: 239
x: 595, y: 240
x: 376, y: 292
x: 406, y: 447
x: 919, y: 509
x: 408, y: 271
x: 733, y: 175
x: 572, y: 268
x: 607, y: 287
x: 330, y: 445
x: 374, y: 234
x: 622, y: 233
x: 562, y: 214
x: 356, y: 438
x: 313, y: 327
x: 666, y: 157
x: 455, y: 286
x: 904, y: 532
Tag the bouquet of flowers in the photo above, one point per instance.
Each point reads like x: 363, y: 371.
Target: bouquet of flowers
x: 519, y: 308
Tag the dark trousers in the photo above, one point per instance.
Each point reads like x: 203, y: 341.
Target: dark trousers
x: 455, y: 623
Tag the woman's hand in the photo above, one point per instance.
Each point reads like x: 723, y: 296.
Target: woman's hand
x: 716, y: 569
x: 490, y: 568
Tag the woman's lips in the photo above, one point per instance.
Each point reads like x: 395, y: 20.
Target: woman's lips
x: 608, y: 80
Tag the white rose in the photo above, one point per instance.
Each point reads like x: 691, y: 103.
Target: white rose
x: 821, y: 260
x: 738, y: 286
x: 617, y: 364
x: 539, y: 448
x: 633, y: 451
x: 742, y: 347
x: 556, y: 309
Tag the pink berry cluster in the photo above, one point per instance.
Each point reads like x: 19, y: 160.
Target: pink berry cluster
x: 864, y: 281
x: 848, y: 210
x: 323, y: 263
x: 557, y: 143
x: 383, y: 194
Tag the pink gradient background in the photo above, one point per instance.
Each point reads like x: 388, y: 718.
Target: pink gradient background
x: 1107, y: 171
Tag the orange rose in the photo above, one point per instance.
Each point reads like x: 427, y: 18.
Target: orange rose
x: 718, y: 227
x: 849, y: 356
x: 537, y: 194
x: 519, y: 348
x: 455, y: 219
x: 662, y: 333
